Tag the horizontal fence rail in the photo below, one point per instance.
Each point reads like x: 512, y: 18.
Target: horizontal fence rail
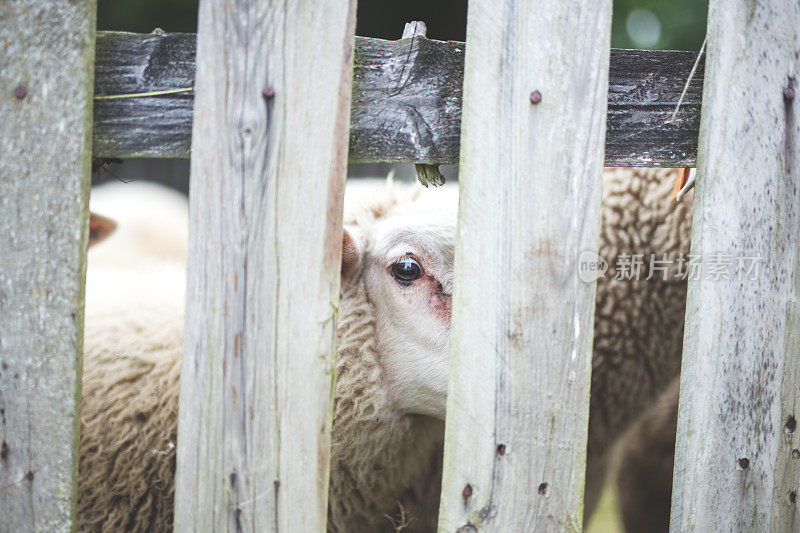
x: 406, y: 101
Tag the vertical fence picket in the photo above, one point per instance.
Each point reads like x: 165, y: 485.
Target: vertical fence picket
x: 46, y: 109
x: 535, y: 86
x: 737, y: 466
x: 268, y: 169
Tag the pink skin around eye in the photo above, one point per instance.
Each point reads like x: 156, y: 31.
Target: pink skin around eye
x: 440, y: 303
x: 428, y: 286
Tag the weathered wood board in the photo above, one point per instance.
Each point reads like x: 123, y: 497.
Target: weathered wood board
x: 268, y: 171
x: 535, y: 95
x: 45, y: 159
x: 406, y: 101
x: 737, y: 461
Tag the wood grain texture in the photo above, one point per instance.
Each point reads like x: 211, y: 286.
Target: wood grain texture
x: 268, y: 178
x: 151, y: 126
x: 45, y: 143
x: 736, y: 465
x: 406, y: 101
x: 518, y: 399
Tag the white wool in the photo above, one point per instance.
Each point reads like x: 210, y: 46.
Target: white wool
x: 413, y: 335
x: 152, y: 222
x: 134, y: 316
x: 637, y: 347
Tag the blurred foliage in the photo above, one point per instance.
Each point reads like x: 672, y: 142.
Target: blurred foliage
x: 143, y: 16
x: 681, y: 23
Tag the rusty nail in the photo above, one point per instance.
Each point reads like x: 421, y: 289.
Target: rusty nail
x: 501, y: 449
x: 536, y: 97
x: 467, y: 492
x: 791, y: 424
x: 20, y: 92
x: 268, y: 92
x: 29, y: 475
x: 744, y: 462
x: 788, y: 93
x: 543, y: 489
x: 796, y: 453
x: 792, y: 497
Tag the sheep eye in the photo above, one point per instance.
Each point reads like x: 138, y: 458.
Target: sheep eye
x: 406, y: 270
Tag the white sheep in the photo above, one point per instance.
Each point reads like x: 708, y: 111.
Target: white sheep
x: 392, y: 360
x: 152, y: 222
x: 382, y: 453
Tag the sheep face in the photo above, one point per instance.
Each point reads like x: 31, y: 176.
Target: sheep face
x: 405, y: 256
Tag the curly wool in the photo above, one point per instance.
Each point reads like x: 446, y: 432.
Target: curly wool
x: 131, y: 383
x: 385, y: 465
x: 638, y: 324
x: 395, y: 468
x: 132, y: 356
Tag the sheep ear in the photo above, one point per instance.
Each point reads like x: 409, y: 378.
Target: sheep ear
x: 99, y: 228
x: 351, y: 257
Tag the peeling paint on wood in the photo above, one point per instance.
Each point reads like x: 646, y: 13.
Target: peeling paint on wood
x: 406, y: 101
x: 45, y: 142
x: 522, y: 318
x: 268, y: 171
x: 735, y: 467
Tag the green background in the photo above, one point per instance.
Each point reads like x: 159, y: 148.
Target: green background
x: 682, y: 22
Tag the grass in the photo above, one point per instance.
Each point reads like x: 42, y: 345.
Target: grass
x: 606, y: 517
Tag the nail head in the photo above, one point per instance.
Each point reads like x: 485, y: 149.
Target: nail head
x: 268, y: 92
x: 20, y: 92
x: 536, y: 97
x: 788, y: 93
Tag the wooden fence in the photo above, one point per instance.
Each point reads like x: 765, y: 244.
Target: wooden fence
x: 269, y: 142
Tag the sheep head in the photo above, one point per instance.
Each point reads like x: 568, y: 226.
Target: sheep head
x: 401, y: 245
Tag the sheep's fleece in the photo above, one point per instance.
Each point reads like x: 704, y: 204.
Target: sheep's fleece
x: 386, y: 465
